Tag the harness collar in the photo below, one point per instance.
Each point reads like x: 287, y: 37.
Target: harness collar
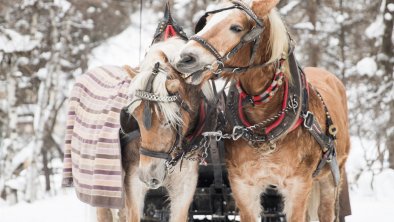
x: 266, y: 96
x: 283, y: 121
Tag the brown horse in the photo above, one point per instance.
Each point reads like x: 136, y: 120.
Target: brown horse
x: 249, y: 44
x: 167, y: 112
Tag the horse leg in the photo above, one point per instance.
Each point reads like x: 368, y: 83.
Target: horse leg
x: 104, y: 215
x: 328, y: 196
x: 296, y: 200
x: 122, y: 215
x: 181, y: 191
x: 247, y: 199
x: 135, y: 195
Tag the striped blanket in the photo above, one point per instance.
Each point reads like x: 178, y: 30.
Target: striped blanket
x: 92, y: 160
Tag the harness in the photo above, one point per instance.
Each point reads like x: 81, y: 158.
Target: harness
x: 294, y: 110
x: 184, y: 146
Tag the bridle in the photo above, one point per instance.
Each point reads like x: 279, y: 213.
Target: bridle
x: 252, y: 36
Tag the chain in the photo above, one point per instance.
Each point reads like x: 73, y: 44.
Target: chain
x: 269, y: 120
x: 239, y: 131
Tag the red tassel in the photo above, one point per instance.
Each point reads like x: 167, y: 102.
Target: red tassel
x: 170, y: 32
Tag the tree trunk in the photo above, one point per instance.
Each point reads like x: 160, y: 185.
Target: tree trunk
x: 47, y: 173
x: 386, y: 61
x: 314, y: 49
x: 342, y: 44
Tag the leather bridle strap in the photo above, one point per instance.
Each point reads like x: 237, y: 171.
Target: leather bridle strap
x: 154, y: 154
x: 164, y: 155
x: 207, y: 46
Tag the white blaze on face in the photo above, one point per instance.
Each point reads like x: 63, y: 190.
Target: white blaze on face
x: 214, y: 20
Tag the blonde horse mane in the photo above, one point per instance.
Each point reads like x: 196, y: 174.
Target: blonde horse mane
x: 278, y: 39
x: 160, y: 52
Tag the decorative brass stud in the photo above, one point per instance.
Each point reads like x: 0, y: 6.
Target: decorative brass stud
x: 333, y: 130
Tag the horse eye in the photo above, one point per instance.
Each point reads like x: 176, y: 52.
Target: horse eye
x: 236, y: 28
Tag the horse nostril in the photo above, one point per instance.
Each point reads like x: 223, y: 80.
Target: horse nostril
x: 187, y: 59
x: 154, y: 182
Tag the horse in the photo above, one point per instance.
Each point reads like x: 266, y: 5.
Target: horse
x: 284, y: 114
x: 169, y: 115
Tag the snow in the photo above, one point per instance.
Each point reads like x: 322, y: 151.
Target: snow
x: 290, y: 6
x: 390, y: 7
x: 64, y: 4
x: 388, y: 16
x: 376, y: 28
x: 304, y: 25
x: 64, y: 207
x: 369, y: 203
x: 91, y: 9
x: 12, y: 41
x: 367, y: 66
x: 124, y: 48
x: 23, y: 155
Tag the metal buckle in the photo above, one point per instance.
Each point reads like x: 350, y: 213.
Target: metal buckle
x: 217, y: 67
x: 238, y: 131
x: 308, y: 120
x: 236, y: 69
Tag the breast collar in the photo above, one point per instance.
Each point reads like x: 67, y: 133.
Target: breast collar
x: 295, y: 98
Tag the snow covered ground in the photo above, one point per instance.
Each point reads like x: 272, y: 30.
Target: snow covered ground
x: 66, y: 207
x: 368, y: 204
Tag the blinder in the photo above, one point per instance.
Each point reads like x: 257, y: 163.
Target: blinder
x: 128, y: 123
x: 203, y: 20
x: 251, y: 36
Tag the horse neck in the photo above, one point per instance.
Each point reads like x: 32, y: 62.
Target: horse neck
x: 192, y: 95
x: 255, y: 81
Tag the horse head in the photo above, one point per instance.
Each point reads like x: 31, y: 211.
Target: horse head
x: 165, y: 108
x: 233, y: 38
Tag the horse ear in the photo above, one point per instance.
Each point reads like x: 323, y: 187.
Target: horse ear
x: 172, y: 85
x: 263, y: 7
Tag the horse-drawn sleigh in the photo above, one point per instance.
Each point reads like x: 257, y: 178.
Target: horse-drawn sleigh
x: 277, y: 125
